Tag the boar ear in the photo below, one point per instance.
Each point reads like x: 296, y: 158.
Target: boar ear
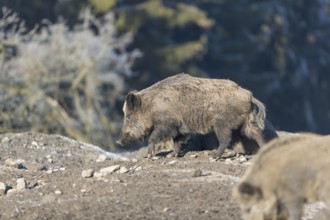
x: 250, y: 190
x: 133, y: 101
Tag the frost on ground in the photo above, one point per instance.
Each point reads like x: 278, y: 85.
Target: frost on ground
x: 54, y: 177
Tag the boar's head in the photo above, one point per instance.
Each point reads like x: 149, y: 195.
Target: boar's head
x: 137, y: 121
x: 257, y: 206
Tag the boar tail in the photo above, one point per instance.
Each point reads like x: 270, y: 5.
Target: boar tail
x: 259, y: 112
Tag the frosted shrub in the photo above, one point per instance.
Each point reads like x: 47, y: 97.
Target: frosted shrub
x: 57, y: 80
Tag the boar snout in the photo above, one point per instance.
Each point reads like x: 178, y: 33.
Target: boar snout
x: 124, y: 139
x: 119, y: 142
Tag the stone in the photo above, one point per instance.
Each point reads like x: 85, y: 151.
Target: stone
x: 21, y: 184
x: 242, y: 159
x: 228, y: 160
x: 49, y: 171
x: 87, y: 173
x: 139, y: 168
x: 123, y: 170
x: 11, y: 191
x: 172, y: 162
x: 155, y: 158
x: 12, y: 163
x: 99, y: 175
x: 101, y: 158
x: 5, y: 140
x: 3, y: 189
x: 35, y: 144
x: 110, y: 169
x: 35, y: 166
x: 197, y: 173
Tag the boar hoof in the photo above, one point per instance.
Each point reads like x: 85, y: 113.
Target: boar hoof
x: 215, y: 155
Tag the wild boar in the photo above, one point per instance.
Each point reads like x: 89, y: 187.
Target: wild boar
x: 182, y: 105
x: 286, y: 173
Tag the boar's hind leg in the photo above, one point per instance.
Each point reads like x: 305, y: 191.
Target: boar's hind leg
x: 253, y: 132
x: 223, y: 132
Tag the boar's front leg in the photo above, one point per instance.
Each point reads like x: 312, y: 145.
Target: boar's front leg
x: 160, y: 134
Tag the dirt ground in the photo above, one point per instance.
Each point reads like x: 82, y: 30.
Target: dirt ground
x: 132, y: 187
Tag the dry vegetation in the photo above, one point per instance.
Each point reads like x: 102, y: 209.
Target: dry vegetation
x: 60, y: 80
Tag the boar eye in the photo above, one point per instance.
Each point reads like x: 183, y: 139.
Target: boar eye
x: 128, y: 116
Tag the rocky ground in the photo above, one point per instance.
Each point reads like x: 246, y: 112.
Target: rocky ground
x: 54, y: 177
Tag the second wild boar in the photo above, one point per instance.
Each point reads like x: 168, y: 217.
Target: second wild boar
x: 285, y: 174
x: 182, y: 105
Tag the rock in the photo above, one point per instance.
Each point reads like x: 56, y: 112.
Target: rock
x: 136, y: 168
x: 139, y: 168
x: 32, y: 185
x: 49, y: 171
x: 228, y: 153
x: 134, y: 160
x: 101, y: 158
x: 123, y: 170
x: 242, y: 159
x: 207, y: 153
x: 5, y: 140
x: 35, y: 144
x: 99, y: 175
x: 169, y: 155
x: 87, y: 173
x: 155, y: 158
x: 69, y: 154
x: 197, y: 173
x: 12, y: 163
x: 62, y: 169
x: 110, y: 169
x: 35, y: 166
x: 3, y: 189
x: 213, y: 159
x: 11, y: 191
x: 58, y: 192
x: 172, y: 162
x: 21, y: 184
x: 228, y: 160
x: 193, y: 156
x: 50, y: 160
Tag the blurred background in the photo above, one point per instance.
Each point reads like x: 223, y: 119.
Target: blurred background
x: 66, y: 65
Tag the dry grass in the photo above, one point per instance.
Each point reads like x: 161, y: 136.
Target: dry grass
x: 57, y: 80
